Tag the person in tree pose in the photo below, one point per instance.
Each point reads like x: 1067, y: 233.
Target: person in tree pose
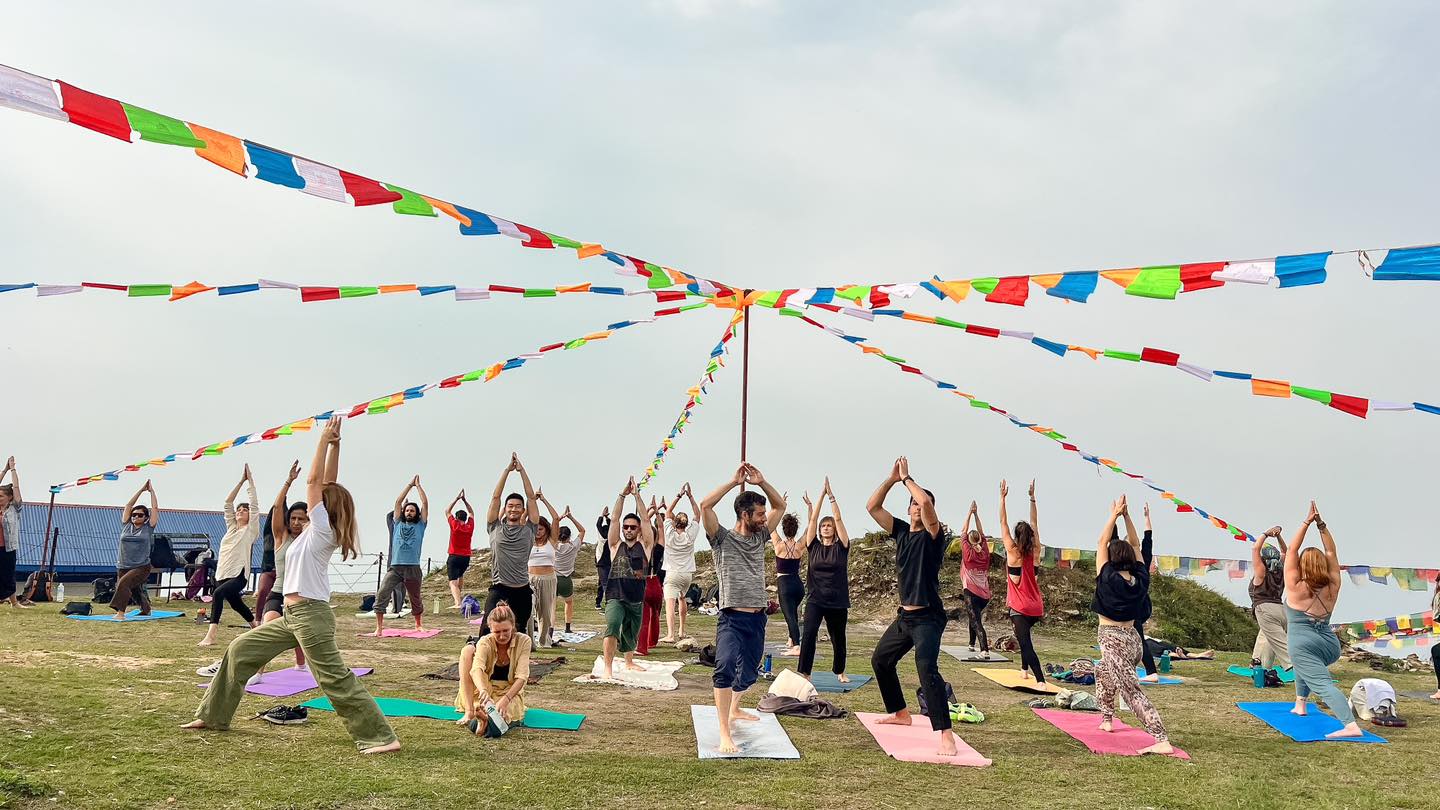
x: 827, y: 583
x: 407, y: 536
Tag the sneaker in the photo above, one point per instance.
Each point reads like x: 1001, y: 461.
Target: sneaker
x: 254, y: 679
x: 965, y: 713
x: 287, y: 715
x: 208, y: 671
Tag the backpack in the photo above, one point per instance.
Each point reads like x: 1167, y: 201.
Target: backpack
x: 104, y: 589
x: 75, y: 609
x: 920, y: 698
x: 37, y: 586
x: 367, y: 604
x: 707, y: 656
x: 469, y: 606
x: 693, y: 596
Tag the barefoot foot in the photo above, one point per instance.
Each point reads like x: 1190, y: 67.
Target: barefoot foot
x: 842, y: 678
x: 383, y: 749
x: 947, y: 744
x: 1349, y: 731
x: 1158, y: 748
x: 900, y: 718
x: 741, y: 714
x: 195, y: 724
x: 1106, y: 726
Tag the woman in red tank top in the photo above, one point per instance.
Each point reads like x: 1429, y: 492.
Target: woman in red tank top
x: 1022, y: 592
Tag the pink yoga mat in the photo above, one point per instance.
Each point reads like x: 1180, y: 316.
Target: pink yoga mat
x: 391, y: 632
x: 917, y: 742
x: 286, y: 682
x: 1085, y: 727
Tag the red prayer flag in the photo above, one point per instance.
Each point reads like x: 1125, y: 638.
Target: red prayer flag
x: 1069, y: 446
x: 552, y: 347
x: 537, y: 239
x: 878, y: 300
x: 1197, y: 276
x: 670, y: 311
x: 506, y: 289
x: 451, y: 382
x: 358, y: 410
x: 94, y: 111
x: 827, y: 307
x: 269, y: 434
x: 1160, y: 356
x: 366, y: 191
x: 1011, y: 290
x: 987, y: 331
x: 661, y: 296
x: 910, y: 369
x: 308, y: 294
x: 95, y: 285
x: 1355, y: 406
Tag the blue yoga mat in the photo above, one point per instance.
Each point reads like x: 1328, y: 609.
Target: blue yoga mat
x: 1165, y: 680
x: 1311, y: 728
x: 132, y: 616
x: 827, y: 682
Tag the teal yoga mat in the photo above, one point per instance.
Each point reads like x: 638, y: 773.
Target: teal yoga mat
x: 1286, y: 675
x: 132, y: 616
x: 827, y: 682
x: 404, y: 707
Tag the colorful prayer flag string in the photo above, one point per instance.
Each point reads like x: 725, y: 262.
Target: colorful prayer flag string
x: 375, y: 406
x: 315, y: 293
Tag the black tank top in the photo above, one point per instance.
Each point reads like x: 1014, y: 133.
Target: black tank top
x: 627, y: 573
x: 787, y: 565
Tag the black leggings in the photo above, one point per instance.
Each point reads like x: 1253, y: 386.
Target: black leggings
x: 230, y: 590
x: 835, y: 620
x: 521, y: 600
x: 791, y: 591
x: 977, y: 621
x: 1145, y: 656
x: 604, y: 572
x: 1435, y: 659
x: 920, y: 629
x: 1028, y: 659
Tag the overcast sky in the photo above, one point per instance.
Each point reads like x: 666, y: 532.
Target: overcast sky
x: 766, y: 144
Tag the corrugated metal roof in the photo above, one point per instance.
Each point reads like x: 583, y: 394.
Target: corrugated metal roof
x: 90, y: 535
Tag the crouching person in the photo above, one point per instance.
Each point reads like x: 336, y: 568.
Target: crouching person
x: 493, y: 671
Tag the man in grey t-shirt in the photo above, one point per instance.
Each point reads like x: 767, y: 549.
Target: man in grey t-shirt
x: 739, y: 555
x: 511, y: 537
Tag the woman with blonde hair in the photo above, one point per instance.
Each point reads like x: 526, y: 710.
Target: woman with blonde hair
x: 309, y: 621
x: 493, y: 672
x: 1312, y: 584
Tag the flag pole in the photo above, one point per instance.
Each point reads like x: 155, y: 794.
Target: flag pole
x: 745, y: 383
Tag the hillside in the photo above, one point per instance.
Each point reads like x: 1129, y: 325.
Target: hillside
x: 1186, y: 613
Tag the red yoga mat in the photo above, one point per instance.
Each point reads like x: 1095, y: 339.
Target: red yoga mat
x: 1085, y: 727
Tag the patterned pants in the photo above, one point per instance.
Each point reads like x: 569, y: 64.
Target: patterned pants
x: 1119, y: 653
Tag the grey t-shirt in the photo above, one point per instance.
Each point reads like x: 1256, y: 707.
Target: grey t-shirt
x: 135, y: 545
x: 510, y: 553
x: 740, y: 566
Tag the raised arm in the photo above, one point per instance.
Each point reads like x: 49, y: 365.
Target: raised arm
x: 130, y: 504
x: 399, y: 510
x: 579, y: 529
x: 694, y: 507
x: 602, y: 525
x: 1035, y: 521
x: 928, y: 518
x: 876, y: 505
x: 280, y: 510
x: 812, y: 521
x: 612, y: 531
x: 1292, y: 551
x: 777, y: 501
x: 647, y: 524
x: 424, y: 501
x: 979, y: 527
x: 154, y: 505
x: 493, y: 513
x: 254, y: 501
x: 1147, y: 543
x: 1329, y: 543
x: 1130, y: 536
x: 15, y: 481
x: 840, y: 532
x: 554, y: 516
x: 325, y: 467
x: 230, y: 499
x: 530, y: 505
x: 1102, y: 546
x: 708, y: 520
x: 450, y: 510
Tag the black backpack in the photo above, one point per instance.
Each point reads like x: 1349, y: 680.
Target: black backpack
x: 367, y: 603
x: 104, y: 589
x: 707, y: 656
x: 75, y: 609
x: 949, y: 697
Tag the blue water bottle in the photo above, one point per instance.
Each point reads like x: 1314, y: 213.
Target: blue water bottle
x: 766, y: 665
x: 1259, y: 675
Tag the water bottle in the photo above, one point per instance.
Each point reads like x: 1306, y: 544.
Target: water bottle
x: 766, y: 665
x: 1165, y: 661
x: 1258, y: 673
x: 60, y: 592
x: 437, y: 606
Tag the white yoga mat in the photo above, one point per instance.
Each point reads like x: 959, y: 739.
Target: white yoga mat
x: 656, y: 675
x: 760, y: 739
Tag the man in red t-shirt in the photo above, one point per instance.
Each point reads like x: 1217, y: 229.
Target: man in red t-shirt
x: 462, y: 528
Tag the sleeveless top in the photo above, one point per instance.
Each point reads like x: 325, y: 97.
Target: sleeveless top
x: 787, y: 565
x: 828, y: 578
x: 279, y: 586
x: 975, y: 568
x: 1023, y: 597
x: 628, y: 570
x: 542, y: 555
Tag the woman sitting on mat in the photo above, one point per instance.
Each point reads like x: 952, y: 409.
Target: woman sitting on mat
x: 309, y: 621
x: 1022, y: 592
x: 1312, y: 584
x: 132, y: 566
x: 493, y: 672
x: 236, y: 548
x: 1122, y: 593
x: 975, y: 568
x: 788, y: 587
x: 828, y: 580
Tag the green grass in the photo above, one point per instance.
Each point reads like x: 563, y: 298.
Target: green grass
x: 88, y: 716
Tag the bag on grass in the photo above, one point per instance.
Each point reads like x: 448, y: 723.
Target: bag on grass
x: 367, y: 604
x: 75, y: 609
x: 707, y: 656
x: 920, y: 698
x: 104, y: 589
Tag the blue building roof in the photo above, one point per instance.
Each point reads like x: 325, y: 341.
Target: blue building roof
x: 90, y: 535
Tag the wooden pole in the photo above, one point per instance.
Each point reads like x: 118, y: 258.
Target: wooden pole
x: 745, y: 383
x: 45, y: 541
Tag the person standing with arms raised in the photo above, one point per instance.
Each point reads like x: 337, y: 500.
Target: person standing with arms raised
x: 679, y: 541
x: 1312, y: 586
x: 920, y: 619
x: 739, y: 555
x: 407, y: 537
x: 241, y: 532
x: 1267, y: 600
x: 1022, y: 592
x: 512, y: 536
x: 462, y: 534
x: 566, y: 549
x: 132, y: 566
x: 828, y: 583
x: 10, y: 534
x: 630, y: 542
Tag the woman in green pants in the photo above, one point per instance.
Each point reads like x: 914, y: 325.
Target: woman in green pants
x: 308, y: 623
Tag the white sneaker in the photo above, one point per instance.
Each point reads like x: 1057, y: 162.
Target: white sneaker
x: 256, y: 678
x: 208, y: 671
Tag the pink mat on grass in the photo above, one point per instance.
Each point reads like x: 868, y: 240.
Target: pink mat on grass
x: 392, y: 632
x: 1085, y: 727
x: 917, y: 742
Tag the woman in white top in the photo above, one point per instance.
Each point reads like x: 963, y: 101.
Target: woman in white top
x: 309, y: 622
x: 235, y: 551
x: 679, y: 542
x: 542, y: 574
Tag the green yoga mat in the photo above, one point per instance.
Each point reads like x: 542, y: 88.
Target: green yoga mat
x: 1286, y: 675
x: 404, y: 707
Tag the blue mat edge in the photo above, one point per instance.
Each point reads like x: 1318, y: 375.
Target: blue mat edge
x: 1369, y: 737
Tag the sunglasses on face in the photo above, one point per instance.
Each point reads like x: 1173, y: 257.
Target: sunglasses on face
x: 134, y: 515
x: 631, y: 528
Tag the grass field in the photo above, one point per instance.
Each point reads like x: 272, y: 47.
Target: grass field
x: 88, y: 716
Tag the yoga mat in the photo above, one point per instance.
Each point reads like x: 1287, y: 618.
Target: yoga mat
x: 370, y: 614
x: 778, y: 650
x: 287, y: 682
x: 967, y: 656
x: 1165, y: 680
x: 1420, y: 696
x: 132, y: 616
x: 1311, y: 728
x: 1012, y: 679
x: 404, y: 707
x: 656, y: 675
x: 1085, y: 727
x: 392, y: 632
x: 917, y: 742
x: 577, y: 637
x: 827, y: 682
x: 1286, y: 675
x: 758, y: 739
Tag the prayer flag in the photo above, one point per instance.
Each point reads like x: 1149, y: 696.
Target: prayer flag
x: 273, y: 167
x: 365, y: 191
x: 1049, y: 346
x: 1156, y: 282
x: 1200, y: 276
x: 1408, y: 264
x: 148, y: 290
x: 1270, y: 388
x: 308, y: 294
x: 29, y: 93
x: 1256, y: 272
x: 1075, y: 286
x: 225, y: 151
x: 93, y: 111
x: 1355, y: 406
x: 410, y: 203
x: 533, y: 237
x: 1160, y: 356
x: 985, y: 285
x: 1302, y: 270
x: 158, y: 128
x: 321, y: 180
x: 1011, y: 290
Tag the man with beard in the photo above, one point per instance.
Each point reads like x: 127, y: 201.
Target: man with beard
x: 406, y: 538
x: 631, y: 541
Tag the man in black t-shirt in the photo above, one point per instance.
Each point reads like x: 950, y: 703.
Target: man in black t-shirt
x: 920, y: 620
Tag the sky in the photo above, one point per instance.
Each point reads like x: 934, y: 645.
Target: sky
x: 765, y: 144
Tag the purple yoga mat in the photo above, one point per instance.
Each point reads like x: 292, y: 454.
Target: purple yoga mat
x: 292, y: 681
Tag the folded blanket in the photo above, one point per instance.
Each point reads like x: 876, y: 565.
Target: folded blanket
x: 815, y: 708
x: 657, y: 675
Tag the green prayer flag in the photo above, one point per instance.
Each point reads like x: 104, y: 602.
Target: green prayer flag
x: 1156, y: 282
x: 145, y: 290
x: 697, y: 305
x: 411, y: 203
x: 358, y: 292
x: 472, y: 376
x: 285, y: 431
x: 1119, y: 355
x: 985, y: 285
x: 769, y: 299
x: 1311, y: 393
x: 947, y: 322
x: 540, y: 293
x: 854, y: 293
x: 158, y: 128
x: 791, y: 313
x: 560, y: 241
x: 575, y: 344
x: 979, y: 403
x: 1054, y: 435
x: 896, y: 360
x: 659, y: 279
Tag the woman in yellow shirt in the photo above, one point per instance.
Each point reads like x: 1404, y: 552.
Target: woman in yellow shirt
x: 493, y: 672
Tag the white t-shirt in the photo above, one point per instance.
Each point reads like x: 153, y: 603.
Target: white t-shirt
x: 307, y: 558
x: 680, y: 547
